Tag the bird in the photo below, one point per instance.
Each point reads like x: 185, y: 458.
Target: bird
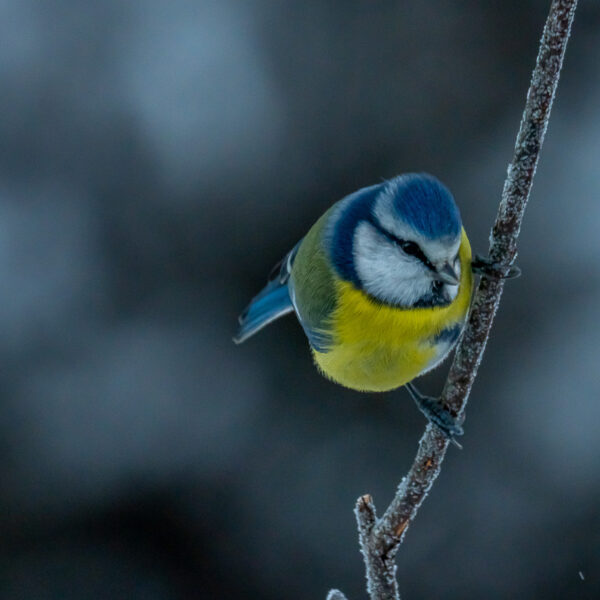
x: 381, y: 285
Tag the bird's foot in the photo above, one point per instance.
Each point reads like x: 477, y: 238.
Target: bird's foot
x: 484, y: 266
x: 437, y: 414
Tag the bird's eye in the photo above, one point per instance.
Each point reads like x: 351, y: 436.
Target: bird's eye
x: 411, y: 248
x: 408, y: 247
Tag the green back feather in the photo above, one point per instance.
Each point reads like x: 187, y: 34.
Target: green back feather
x: 313, y: 283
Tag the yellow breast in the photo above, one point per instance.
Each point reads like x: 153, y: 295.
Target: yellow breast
x: 378, y: 347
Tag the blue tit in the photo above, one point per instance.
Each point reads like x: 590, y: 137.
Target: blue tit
x: 381, y: 285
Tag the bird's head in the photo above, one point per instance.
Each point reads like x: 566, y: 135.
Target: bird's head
x: 399, y: 240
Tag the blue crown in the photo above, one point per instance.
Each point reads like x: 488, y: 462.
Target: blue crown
x: 425, y: 204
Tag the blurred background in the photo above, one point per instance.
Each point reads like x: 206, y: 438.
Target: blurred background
x: 156, y: 159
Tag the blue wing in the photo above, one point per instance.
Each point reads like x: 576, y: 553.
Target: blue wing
x: 314, y: 300
x: 272, y: 302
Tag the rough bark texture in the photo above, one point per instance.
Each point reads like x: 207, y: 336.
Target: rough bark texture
x: 380, y: 538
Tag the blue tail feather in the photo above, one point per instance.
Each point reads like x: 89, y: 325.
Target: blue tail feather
x: 270, y: 304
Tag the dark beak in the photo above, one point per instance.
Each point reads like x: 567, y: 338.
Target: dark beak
x: 447, y: 274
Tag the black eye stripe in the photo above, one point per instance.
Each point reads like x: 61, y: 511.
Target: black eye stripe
x: 408, y: 247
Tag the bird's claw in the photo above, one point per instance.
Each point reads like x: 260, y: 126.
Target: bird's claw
x: 437, y: 414
x: 484, y: 266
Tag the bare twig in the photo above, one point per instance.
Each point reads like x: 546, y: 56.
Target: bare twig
x: 381, y: 538
x: 381, y: 568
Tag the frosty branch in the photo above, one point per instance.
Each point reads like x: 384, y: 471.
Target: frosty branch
x: 380, y: 538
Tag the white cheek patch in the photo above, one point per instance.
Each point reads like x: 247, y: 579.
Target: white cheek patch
x: 385, y: 271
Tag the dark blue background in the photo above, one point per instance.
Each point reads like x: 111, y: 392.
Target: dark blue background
x: 156, y: 159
